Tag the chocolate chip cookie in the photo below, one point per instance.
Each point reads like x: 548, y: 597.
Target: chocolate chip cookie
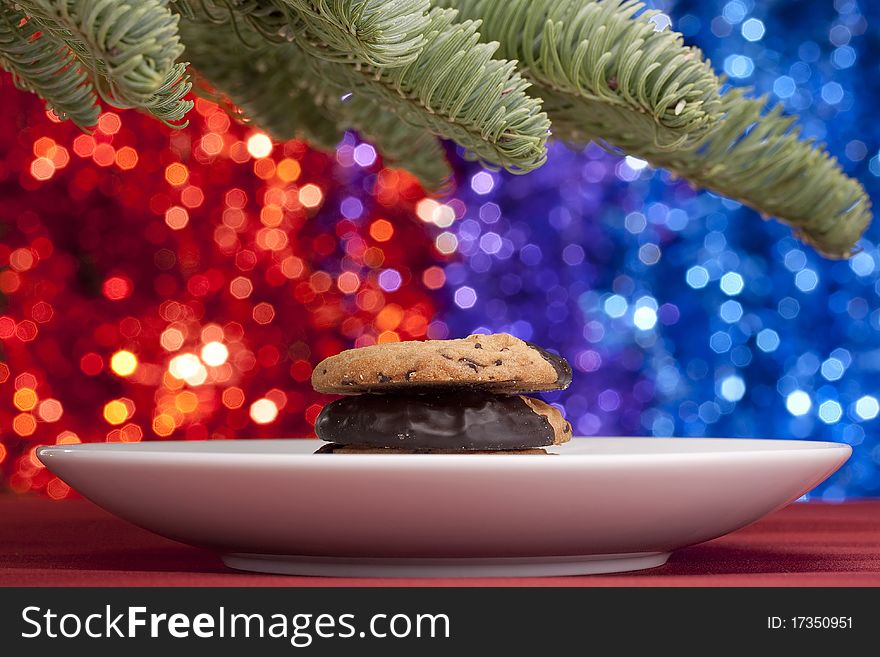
x: 498, y: 363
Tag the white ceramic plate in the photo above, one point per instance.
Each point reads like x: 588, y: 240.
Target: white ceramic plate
x: 598, y: 505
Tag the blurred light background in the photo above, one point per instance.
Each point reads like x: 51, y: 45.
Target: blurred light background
x: 181, y: 284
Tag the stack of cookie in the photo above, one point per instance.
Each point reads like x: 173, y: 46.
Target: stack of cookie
x: 442, y: 396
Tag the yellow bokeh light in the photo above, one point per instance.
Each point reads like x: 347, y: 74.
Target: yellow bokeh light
x: 263, y: 411
x: 425, y: 209
x: 271, y: 215
x: 215, y: 354
x: 2, y: 452
x: 123, y: 363
x: 388, y: 336
x: 176, y: 174
x: 389, y: 317
x: 381, y: 230
x: 171, y: 382
x: 184, y: 366
x: 126, y: 158
x: 310, y: 195
x: 432, y: 212
x: 67, y: 438
x: 25, y: 399
x: 198, y: 377
x: 288, y: 170
x: 259, y: 145
x: 186, y: 401
x: 116, y: 411
x: 443, y: 216
x: 44, y: 146
x: 163, y: 425
x: 24, y: 424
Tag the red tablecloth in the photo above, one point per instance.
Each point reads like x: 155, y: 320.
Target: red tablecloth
x: 74, y: 543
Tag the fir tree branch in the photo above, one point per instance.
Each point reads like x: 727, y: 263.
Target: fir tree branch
x: 454, y: 89
x: 129, y: 46
x: 608, y: 59
x: 269, y: 19
x: 267, y: 84
x: 400, y: 145
x: 728, y: 144
x: 457, y: 90
x: 604, y: 72
x: 380, y: 33
x: 757, y: 158
x: 277, y: 88
x: 41, y: 64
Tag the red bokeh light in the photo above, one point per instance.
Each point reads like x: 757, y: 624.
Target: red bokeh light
x: 157, y: 243
x: 117, y: 288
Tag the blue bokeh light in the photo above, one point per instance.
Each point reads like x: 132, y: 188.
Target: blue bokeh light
x: 749, y: 332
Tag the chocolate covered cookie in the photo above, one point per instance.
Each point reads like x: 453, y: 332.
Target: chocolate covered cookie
x: 333, y: 448
x: 497, y: 363
x: 464, y: 420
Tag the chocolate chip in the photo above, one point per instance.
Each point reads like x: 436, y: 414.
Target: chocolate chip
x: 348, y: 382
x: 478, y: 346
x: 505, y: 349
x: 324, y: 371
x: 498, y: 362
x: 383, y: 378
x: 467, y: 361
x: 409, y: 375
x: 567, y: 427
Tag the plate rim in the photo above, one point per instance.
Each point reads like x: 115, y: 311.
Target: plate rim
x: 50, y: 454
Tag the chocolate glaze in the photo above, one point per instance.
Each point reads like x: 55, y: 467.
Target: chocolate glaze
x: 333, y: 448
x: 466, y: 420
x: 563, y: 369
